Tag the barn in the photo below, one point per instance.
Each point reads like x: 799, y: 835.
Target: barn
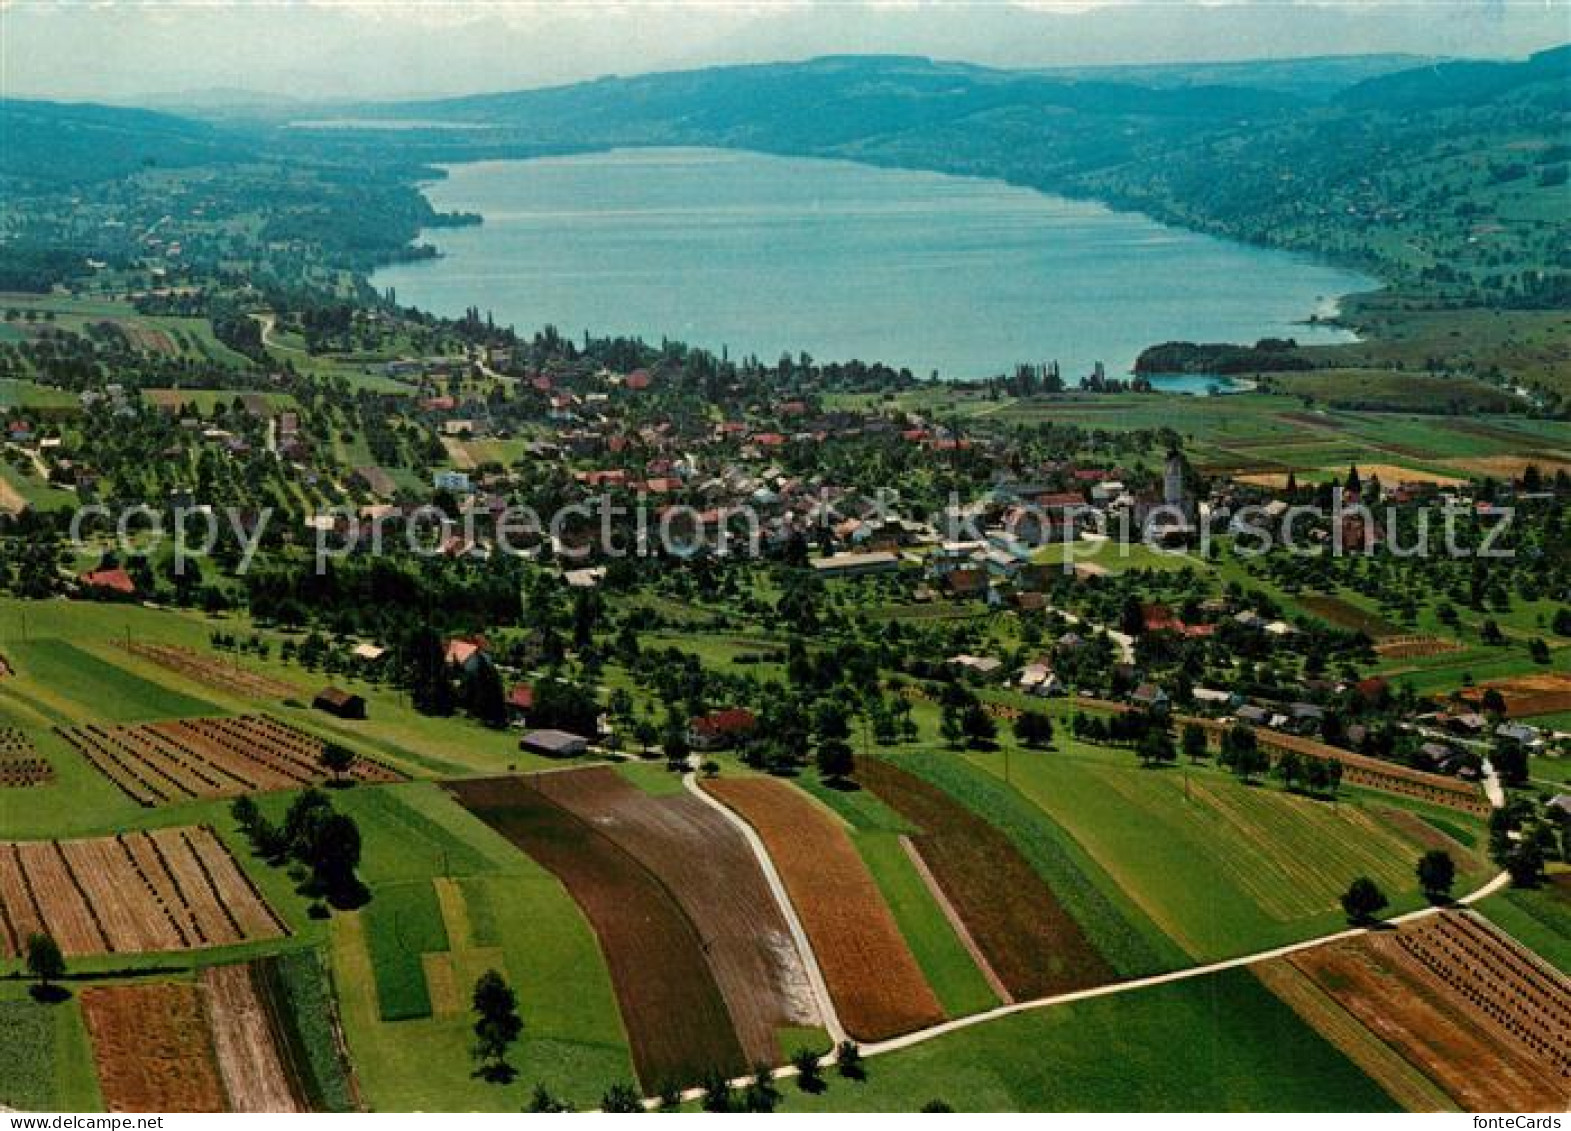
x: 336, y: 701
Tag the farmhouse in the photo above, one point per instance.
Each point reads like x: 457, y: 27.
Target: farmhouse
x: 1149, y: 695
x: 336, y: 701
x: 554, y: 743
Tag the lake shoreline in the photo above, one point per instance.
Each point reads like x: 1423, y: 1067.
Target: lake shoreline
x: 1138, y: 244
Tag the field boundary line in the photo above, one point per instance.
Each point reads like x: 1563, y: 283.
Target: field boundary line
x: 957, y: 924
x: 777, y: 888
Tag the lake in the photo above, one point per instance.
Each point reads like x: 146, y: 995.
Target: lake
x: 761, y: 254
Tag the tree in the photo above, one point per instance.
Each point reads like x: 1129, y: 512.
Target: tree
x: 809, y: 1073
x: 245, y: 812
x: 673, y: 742
x: 1525, y: 863
x: 1156, y: 747
x: 1509, y: 759
x: 1363, y: 900
x: 337, y: 759
x: 331, y: 849
x: 717, y: 1092
x: 1034, y: 729
x: 952, y: 728
x: 543, y: 1102
x: 1131, y: 617
x: 497, y: 1026
x: 761, y: 1096
x: 1241, y: 752
x: 848, y: 1061
x: 1290, y: 768
x: 831, y: 734
x: 836, y: 762
x: 45, y: 962
x: 622, y: 1099
x: 484, y: 697
x: 980, y: 727
x: 1437, y: 873
x: 1194, y: 742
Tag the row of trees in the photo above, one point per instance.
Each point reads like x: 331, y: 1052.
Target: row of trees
x: 322, y: 844
x: 498, y: 1026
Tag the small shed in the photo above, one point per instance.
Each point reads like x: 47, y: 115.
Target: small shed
x: 554, y: 743
x: 337, y: 701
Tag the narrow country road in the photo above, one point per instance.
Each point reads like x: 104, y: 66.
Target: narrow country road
x: 815, y: 974
x: 269, y: 322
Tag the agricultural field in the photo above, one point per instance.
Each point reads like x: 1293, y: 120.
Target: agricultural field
x: 674, y: 1011
x: 153, y: 1048
x: 876, y: 984
x: 251, y: 1060
x: 68, y: 683
x: 486, y: 906
x: 165, y: 890
x: 1219, y: 1042
x: 949, y: 960
x: 230, y: 678
x: 1539, y: 918
x: 48, y: 1062
x: 1479, y: 1016
x: 169, y: 671
x: 157, y: 763
x: 1224, y: 868
x: 1029, y: 944
x: 745, y: 937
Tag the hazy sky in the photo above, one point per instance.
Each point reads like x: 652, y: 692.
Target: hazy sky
x: 133, y: 50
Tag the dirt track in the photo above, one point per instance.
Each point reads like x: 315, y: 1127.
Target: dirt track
x: 708, y: 867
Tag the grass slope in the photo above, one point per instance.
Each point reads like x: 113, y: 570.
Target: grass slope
x: 1218, y: 1043
x: 876, y: 830
x: 1223, y: 868
x: 1124, y: 935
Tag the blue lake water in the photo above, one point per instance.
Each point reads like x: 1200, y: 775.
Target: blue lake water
x: 762, y: 255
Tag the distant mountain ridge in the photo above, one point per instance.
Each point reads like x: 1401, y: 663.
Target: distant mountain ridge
x: 1444, y: 177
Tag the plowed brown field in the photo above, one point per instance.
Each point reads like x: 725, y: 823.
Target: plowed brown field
x: 247, y: 1053
x: 1483, y: 1019
x: 675, y: 1014
x: 1030, y: 941
x: 151, y: 1046
x: 708, y: 866
x: 877, y: 987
